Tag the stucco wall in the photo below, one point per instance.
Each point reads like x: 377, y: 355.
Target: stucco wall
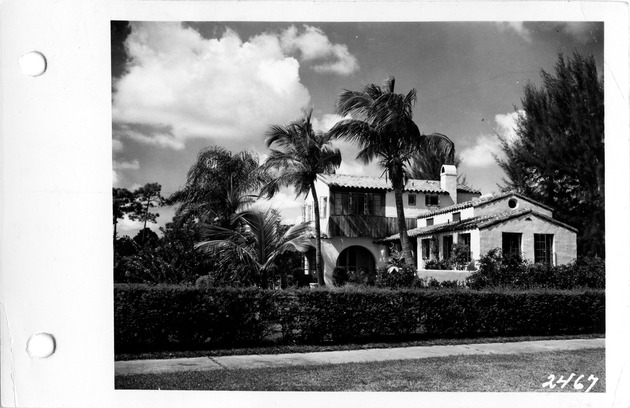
x: 474, y: 245
x: 411, y: 211
x: 322, y: 191
x: 465, y: 213
x: 442, y: 276
x: 331, y: 248
x: 565, y: 241
x: 502, y: 205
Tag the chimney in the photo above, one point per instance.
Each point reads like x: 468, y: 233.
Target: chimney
x: 448, y: 182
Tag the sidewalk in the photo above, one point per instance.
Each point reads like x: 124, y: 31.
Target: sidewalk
x: 346, y: 356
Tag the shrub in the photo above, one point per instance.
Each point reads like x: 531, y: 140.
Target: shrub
x: 497, y: 270
x: 175, y: 317
x: 340, y: 276
x: 460, y: 258
x: 396, y: 277
x: 438, y: 264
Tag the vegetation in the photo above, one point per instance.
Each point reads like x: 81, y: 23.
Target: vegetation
x: 254, y: 244
x: 427, y: 162
x: 493, y: 373
x: 218, y: 185
x: 298, y: 155
x: 381, y: 123
x: 124, y: 203
x: 136, y: 205
x: 558, y: 155
x: 511, y: 271
x: 148, y: 196
x: 174, y: 317
x: 169, y: 259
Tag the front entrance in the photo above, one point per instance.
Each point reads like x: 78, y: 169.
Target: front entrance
x: 356, y: 259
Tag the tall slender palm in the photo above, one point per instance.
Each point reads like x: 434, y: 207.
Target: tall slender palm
x: 298, y: 156
x: 263, y: 228
x: 381, y: 123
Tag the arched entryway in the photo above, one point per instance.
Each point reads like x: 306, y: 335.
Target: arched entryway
x: 356, y: 259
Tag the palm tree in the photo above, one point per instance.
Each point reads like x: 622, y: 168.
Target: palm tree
x: 260, y: 256
x: 300, y: 154
x: 435, y: 151
x: 381, y: 123
x: 217, y: 186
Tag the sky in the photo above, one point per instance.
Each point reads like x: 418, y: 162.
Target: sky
x: 180, y: 87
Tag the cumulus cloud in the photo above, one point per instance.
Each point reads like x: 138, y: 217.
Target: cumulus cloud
x: 481, y: 153
x: 327, y: 121
x: 161, y: 136
x: 314, y: 45
x: 506, y: 125
x: 180, y: 85
x: 352, y: 167
x: 518, y: 27
x: 486, y: 147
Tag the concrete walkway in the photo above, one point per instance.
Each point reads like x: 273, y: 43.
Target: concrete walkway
x: 348, y: 356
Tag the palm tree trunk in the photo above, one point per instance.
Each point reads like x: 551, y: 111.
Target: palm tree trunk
x: 402, y: 224
x: 319, y: 264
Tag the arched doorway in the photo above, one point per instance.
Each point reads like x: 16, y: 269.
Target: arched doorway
x: 356, y: 259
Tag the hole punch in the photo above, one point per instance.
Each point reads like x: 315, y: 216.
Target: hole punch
x: 33, y: 63
x: 41, y: 345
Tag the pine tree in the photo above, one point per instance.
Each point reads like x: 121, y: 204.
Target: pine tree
x: 558, y: 155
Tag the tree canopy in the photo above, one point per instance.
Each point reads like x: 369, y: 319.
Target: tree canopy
x: 382, y: 125
x: 557, y: 157
x: 298, y: 155
x: 255, y: 245
x: 426, y: 163
x: 218, y: 184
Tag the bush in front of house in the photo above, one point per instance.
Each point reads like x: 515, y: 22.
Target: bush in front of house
x: 404, y: 276
x: 511, y: 271
x: 340, y: 276
x: 174, y: 317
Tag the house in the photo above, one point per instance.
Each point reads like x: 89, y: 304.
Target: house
x: 359, y: 224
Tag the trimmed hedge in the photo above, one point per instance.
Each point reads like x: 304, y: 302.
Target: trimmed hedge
x: 175, y: 317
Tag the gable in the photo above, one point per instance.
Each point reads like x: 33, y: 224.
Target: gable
x: 524, y: 220
x: 510, y: 201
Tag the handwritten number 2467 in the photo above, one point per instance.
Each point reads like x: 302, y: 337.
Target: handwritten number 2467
x: 553, y: 383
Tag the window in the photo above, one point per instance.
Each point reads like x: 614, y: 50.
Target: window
x: 426, y: 249
x: 357, y: 203
x: 323, y: 207
x: 429, y: 222
x: 412, y: 199
x: 457, y: 216
x: 512, y: 203
x: 543, y: 248
x: 511, y: 243
x: 431, y: 200
x: 447, y: 246
x: 464, y: 239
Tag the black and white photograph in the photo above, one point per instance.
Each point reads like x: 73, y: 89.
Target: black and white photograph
x: 314, y: 203
x: 359, y: 206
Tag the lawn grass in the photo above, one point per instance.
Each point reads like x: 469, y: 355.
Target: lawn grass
x: 311, y: 348
x: 495, y: 373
